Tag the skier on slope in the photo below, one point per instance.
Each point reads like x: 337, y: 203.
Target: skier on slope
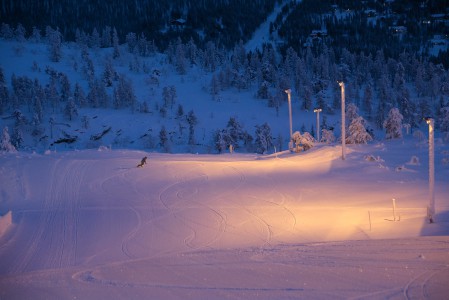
x: 142, y: 162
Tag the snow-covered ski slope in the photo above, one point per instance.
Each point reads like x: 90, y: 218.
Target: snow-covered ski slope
x: 90, y: 225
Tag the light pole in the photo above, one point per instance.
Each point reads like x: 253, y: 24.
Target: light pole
x: 317, y: 111
x: 343, y: 125
x: 289, y: 94
x: 431, y: 207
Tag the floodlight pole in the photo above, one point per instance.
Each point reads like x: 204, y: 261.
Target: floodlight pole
x: 431, y: 208
x: 317, y: 111
x: 343, y: 125
x: 289, y: 94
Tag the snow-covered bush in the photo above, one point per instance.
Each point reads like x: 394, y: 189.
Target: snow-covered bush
x: 303, y: 141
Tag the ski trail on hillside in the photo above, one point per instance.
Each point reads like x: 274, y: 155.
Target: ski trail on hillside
x: 262, y: 34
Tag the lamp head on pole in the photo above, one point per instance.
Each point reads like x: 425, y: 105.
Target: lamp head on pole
x: 341, y: 83
x: 317, y: 110
x: 428, y: 120
x: 288, y: 91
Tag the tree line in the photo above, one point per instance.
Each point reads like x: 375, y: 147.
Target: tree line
x: 376, y: 83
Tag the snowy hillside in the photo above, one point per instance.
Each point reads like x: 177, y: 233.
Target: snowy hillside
x: 90, y: 225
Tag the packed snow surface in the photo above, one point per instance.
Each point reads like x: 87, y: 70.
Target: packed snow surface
x: 91, y: 225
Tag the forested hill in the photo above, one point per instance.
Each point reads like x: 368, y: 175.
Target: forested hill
x: 222, y: 21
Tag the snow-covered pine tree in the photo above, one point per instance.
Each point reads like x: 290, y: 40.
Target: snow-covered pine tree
x: 180, y: 58
x: 357, y: 132
x: 131, y: 41
x: 393, y: 124
x: 263, y: 140
x: 95, y: 40
x: 64, y: 84
x: 263, y: 91
x: 109, y: 74
x: 70, y: 110
x: 220, y: 140
x: 6, y: 31
x: 115, y: 44
x: 17, y: 136
x: 106, y: 37
x: 20, y: 33
x: 52, y: 95
x: 352, y: 112
x: 88, y: 66
x: 327, y: 136
x: 5, y: 143
x: 235, y: 130
x: 54, y: 39
x: 35, y: 35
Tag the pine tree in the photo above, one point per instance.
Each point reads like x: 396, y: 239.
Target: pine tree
x: 163, y: 138
x: 17, y: 137
x: 5, y: 143
x: 235, y: 130
x: 106, y: 37
x: 263, y: 140
x: 357, y: 132
x: 263, y: 92
x: 20, y: 33
x: 88, y: 67
x: 78, y: 95
x: 38, y: 110
x: 95, y: 41
x: 70, y: 109
x: 327, y: 136
x: 115, y: 44
x: 109, y: 73
x: 192, y: 121
x: 180, y: 58
x: 64, y: 86
x: 393, y: 124
x: 220, y: 140
x: 351, y: 112
x: 54, y: 38
x: 52, y: 95
x: 131, y: 41
x: 180, y: 111
x: 3, y: 92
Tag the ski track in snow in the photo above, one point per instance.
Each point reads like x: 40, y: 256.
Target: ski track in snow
x: 58, y: 221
